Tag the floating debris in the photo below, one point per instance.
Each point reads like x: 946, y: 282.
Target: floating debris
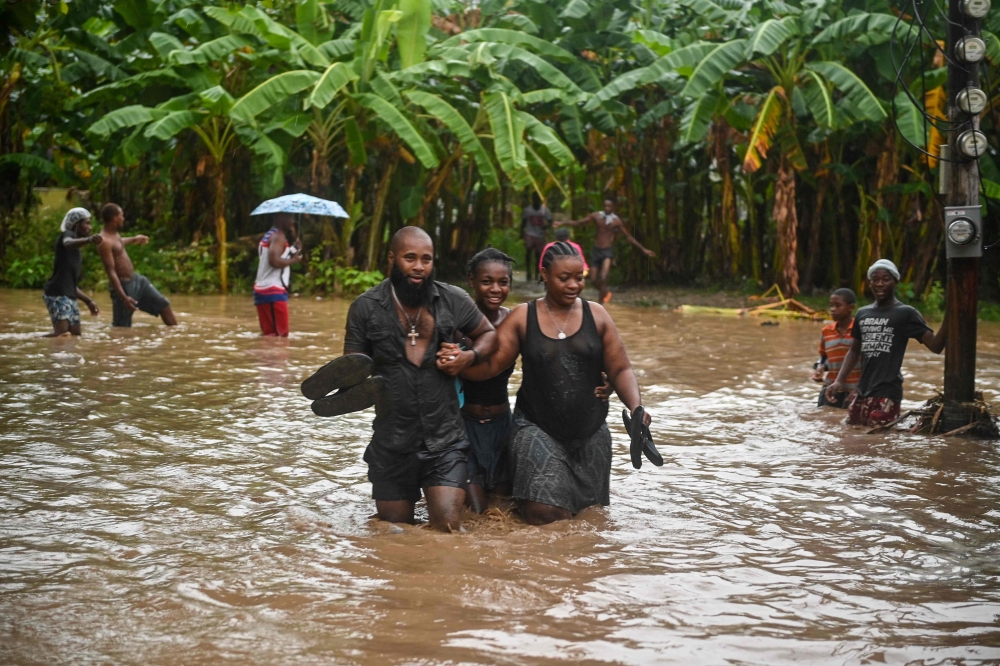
x: 927, y: 419
x: 776, y: 305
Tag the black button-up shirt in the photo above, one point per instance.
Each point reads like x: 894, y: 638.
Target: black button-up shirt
x: 421, y: 405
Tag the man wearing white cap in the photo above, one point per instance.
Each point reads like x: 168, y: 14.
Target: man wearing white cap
x: 881, y: 332
x: 61, y: 291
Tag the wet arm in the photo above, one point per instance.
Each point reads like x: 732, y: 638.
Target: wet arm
x: 575, y: 223
x: 616, y: 362
x: 936, y: 341
x: 276, y: 249
x: 135, y: 240
x: 631, y: 238
x: 77, y: 242
x: 851, y: 360
x: 508, y: 338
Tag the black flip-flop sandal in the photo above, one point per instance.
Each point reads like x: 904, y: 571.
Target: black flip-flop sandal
x: 649, y: 448
x: 352, y: 399
x: 633, y: 426
x: 642, y: 439
x: 340, y: 373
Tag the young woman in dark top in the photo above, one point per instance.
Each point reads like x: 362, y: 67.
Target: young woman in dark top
x: 61, y: 291
x: 487, y: 407
x: 560, y: 451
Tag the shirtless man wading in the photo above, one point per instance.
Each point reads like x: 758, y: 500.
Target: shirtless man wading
x: 129, y: 290
x: 606, y: 224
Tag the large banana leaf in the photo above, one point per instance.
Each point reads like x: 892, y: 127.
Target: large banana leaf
x: 329, y: 84
x: 853, y: 87
x: 544, y: 69
x: 273, y: 91
x: 217, y: 100
x: 508, y: 132
x: 338, y: 48
x: 867, y: 28
x: 512, y: 38
x: 213, y: 51
x: 458, y: 126
x: 411, y: 31
x: 129, y: 116
x: 394, y: 118
x: 689, y: 56
x: 910, y: 120
x: 382, y: 87
x: 173, y: 123
x: 698, y: 117
x: 543, y: 135
x: 312, y: 21
x: 769, y: 35
x: 355, y: 142
x: 709, y: 10
x: 765, y: 128
x: 992, y: 47
x: 234, y: 20
x: 713, y: 67
x: 100, y: 67
x: 165, y: 43
x: 34, y: 163
x: 818, y: 99
x: 167, y: 78
x: 275, y: 158
x: 656, y: 42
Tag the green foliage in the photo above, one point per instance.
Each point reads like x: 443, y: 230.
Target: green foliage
x: 29, y: 273
x: 330, y: 277
x: 510, y: 242
x: 932, y: 304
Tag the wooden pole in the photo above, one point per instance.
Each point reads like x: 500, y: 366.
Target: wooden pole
x: 962, y: 294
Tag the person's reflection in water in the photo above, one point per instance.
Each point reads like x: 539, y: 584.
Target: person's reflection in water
x: 560, y: 453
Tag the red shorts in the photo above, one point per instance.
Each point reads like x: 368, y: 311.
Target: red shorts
x: 872, y: 411
x: 273, y: 318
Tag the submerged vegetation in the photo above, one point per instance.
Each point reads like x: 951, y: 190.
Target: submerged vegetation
x: 746, y: 143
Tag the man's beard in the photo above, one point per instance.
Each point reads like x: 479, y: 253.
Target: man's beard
x: 410, y: 295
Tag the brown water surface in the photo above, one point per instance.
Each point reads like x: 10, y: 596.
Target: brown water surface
x: 167, y: 497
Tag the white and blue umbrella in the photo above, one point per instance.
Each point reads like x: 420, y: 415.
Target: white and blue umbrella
x: 301, y: 203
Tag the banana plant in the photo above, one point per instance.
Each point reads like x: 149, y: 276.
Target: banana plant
x: 206, y: 111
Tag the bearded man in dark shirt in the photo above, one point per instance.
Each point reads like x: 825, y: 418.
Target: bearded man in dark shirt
x: 881, y: 332
x: 419, y: 441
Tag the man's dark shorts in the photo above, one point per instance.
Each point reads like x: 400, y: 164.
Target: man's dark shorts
x: 400, y: 476
x: 599, y: 254
x: 148, y: 298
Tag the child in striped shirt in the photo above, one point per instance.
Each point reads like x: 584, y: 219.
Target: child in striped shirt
x: 834, y: 343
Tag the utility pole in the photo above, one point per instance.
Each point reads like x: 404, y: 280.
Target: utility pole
x: 960, y: 187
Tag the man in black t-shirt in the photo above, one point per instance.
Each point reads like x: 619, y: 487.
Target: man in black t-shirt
x: 881, y: 332
x: 419, y: 441
x: 61, y: 292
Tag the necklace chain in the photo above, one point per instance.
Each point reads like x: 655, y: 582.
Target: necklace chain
x: 562, y: 331
x: 413, y: 335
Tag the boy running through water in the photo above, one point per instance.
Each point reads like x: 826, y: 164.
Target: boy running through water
x: 129, y: 290
x: 606, y: 224
x: 881, y: 332
x: 834, y: 342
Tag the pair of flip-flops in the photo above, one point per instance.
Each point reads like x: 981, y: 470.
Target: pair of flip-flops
x: 642, y: 439
x: 350, y: 376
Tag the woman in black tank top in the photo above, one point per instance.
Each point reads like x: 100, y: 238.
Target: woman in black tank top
x: 560, y: 452
x: 487, y: 407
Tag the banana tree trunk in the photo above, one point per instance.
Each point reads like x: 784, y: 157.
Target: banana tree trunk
x: 787, y: 222
x: 375, y: 226
x: 354, y: 211
x: 220, y: 226
x: 434, y: 186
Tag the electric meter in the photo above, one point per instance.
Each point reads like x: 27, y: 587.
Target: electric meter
x: 971, y: 100
x: 970, y: 49
x: 971, y: 143
x: 976, y: 8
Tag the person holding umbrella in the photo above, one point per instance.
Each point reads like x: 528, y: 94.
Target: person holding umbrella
x: 276, y: 256
x: 270, y: 290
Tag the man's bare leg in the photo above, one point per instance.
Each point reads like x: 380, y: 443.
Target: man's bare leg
x: 601, y: 279
x: 536, y: 513
x: 167, y: 315
x: 528, y: 256
x: 444, y: 506
x: 476, y: 497
x: 395, y: 511
x: 61, y: 328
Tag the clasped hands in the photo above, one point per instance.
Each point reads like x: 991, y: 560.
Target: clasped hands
x: 451, y: 360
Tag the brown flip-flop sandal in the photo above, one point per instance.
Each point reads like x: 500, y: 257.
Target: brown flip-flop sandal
x: 340, y: 373
x: 352, y: 399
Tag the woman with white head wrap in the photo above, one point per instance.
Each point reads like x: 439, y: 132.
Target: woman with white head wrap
x: 881, y: 332
x: 73, y: 215
x: 61, y: 291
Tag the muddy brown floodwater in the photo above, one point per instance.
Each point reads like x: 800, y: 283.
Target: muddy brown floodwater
x: 167, y: 497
